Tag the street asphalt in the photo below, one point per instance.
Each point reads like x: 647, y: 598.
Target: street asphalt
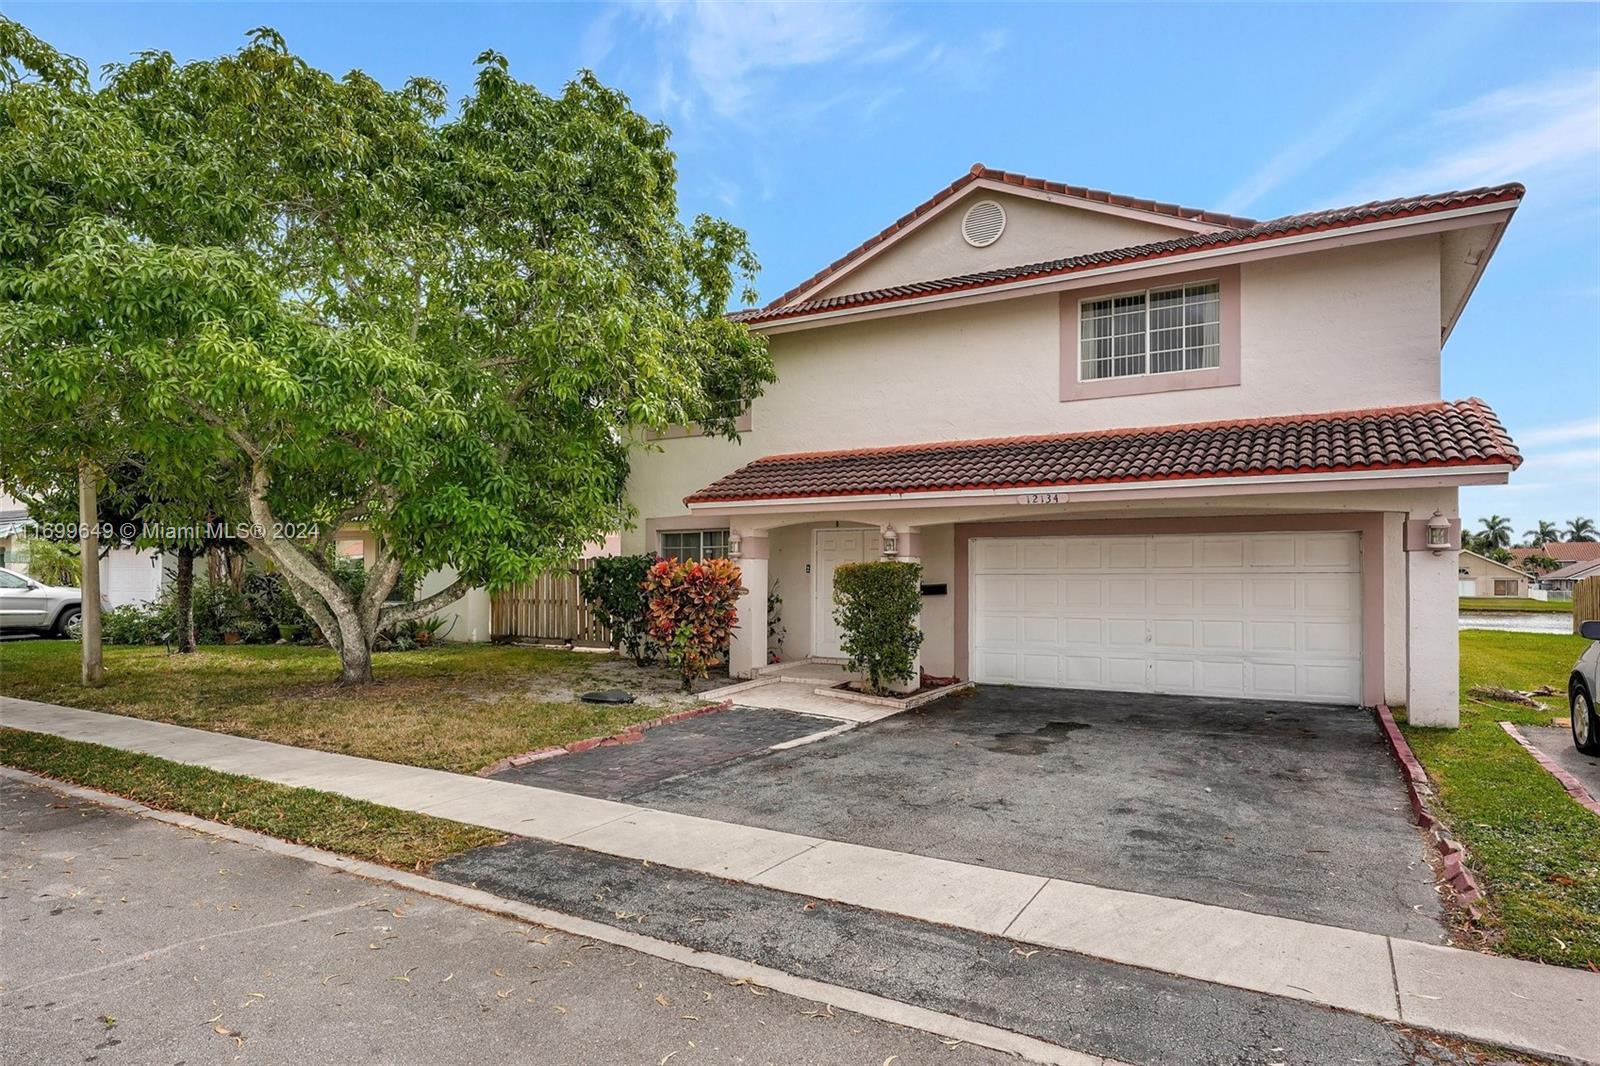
x: 132, y: 941
x: 1087, y: 1004
x: 1290, y: 809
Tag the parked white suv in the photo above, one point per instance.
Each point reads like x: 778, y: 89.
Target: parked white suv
x: 28, y: 606
x: 1581, y: 689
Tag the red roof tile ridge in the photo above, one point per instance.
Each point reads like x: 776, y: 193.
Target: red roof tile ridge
x: 1022, y: 181
x: 1286, y: 226
x: 1132, y: 431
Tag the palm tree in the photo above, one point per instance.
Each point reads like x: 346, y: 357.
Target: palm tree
x: 1496, y: 531
x: 1547, y: 532
x: 1580, y: 528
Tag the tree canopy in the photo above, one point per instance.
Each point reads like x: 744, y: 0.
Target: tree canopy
x: 342, y: 301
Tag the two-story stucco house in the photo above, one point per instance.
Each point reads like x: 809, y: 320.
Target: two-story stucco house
x: 1135, y: 446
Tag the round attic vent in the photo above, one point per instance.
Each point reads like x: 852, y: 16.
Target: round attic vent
x: 983, y: 224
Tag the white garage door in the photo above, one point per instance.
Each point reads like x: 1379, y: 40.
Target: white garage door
x: 1266, y: 616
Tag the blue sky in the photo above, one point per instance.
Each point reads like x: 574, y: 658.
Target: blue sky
x: 813, y: 126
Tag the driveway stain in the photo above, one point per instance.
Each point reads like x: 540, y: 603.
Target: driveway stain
x: 1037, y: 741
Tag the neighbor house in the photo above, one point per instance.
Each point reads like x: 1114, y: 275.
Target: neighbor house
x: 1481, y: 576
x: 1561, y: 582
x: 127, y: 575
x: 1134, y: 446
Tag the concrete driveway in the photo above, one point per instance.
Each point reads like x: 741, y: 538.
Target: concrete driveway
x: 1280, y: 808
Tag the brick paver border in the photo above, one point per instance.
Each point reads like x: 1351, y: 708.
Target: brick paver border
x: 627, y: 736
x: 1469, y: 895
x: 1573, y: 786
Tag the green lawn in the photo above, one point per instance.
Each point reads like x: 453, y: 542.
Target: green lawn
x: 300, y: 815
x: 1536, y: 851
x: 455, y: 707
x: 1510, y: 603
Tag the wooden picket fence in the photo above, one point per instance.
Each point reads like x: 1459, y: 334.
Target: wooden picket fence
x: 547, y: 608
x: 1585, y: 602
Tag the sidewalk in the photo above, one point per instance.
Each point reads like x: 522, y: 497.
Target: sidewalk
x: 1493, y: 1000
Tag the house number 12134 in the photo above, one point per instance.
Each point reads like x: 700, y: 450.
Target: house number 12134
x: 1044, y: 497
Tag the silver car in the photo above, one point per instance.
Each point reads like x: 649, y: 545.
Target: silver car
x: 28, y: 606
x: 1581, y: 689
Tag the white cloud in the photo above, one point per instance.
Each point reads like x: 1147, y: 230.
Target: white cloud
x: 734, y: 53
x: 1582, y: 429
x: 1546, y: 132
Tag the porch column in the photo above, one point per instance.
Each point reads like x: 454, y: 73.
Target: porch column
x: 909, y: 550
x: 1433, y: 651
x: 747, y: 650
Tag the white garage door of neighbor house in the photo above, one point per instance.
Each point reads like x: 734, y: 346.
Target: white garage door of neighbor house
x: 1263, y: 616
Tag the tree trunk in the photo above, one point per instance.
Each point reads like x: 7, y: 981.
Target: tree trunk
x: 183, y: 605
x: 93, y: 674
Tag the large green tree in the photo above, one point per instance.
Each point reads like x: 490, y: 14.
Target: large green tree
x: 447, y: 323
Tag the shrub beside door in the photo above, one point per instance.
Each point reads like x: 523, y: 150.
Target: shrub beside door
x: 876, y: 607
x: 692, y: 612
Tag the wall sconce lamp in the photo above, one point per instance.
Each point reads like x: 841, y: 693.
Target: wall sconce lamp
x: 1438, y: 534
x: 891, y: 542
x: 735, y: 545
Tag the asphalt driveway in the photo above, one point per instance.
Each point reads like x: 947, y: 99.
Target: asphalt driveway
x: 1280, y: 808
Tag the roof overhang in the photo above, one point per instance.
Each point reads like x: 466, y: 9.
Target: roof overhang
x: 1496, y: 214
x: 1173, y: 489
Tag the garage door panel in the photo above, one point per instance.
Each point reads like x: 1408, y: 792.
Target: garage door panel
x: 1127, y: 554
x: 1126, y: 632
x: 998, y: 629
x: 1036, y: 630
x: 1333, y: 594
x: 1273, y: 636
x: 1273, y: 615
x: 1173, y: 591
x: 1041, y: 555
x: 1170, y: 633
x: 1272, y: 594
x: 1173, y: 553
x: 997, y: 593
x: 1040, y: 592
x: 1220, y: 677
x: 1174, y: 675
x: 1083, y: 631
x: 1041, y: 669
x: 1127, y: 593
x: 1274, y: 681
x: 1268, y: 552
x: 1331, y: 682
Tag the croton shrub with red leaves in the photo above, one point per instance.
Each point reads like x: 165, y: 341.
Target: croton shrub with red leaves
x: 692, y: 612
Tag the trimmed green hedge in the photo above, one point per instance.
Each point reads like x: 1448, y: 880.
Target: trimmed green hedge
x: 877, y: 607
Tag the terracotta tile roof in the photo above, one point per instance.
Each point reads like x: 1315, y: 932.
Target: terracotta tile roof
x: 1463, y: 433
x: 1574, y: 571
x: 1568, y: 551
x: 979, y: 172
x: 1289, y: 225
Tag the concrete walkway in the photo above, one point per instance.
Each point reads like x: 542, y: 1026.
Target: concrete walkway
x: 1525, y: 1006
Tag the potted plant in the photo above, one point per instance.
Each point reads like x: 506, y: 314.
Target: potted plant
x: 426, y: 629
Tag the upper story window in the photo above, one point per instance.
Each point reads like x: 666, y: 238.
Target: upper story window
x: 695, y: 544
x: 1157, y: 331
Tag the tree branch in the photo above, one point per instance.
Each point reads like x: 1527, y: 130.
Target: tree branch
x: 410, y: 612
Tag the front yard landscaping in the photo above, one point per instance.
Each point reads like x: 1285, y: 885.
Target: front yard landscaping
x: 1536, y: 851
x: 454, y: 707
x: 1515, y: 603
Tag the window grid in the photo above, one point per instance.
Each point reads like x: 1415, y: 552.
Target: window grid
x: 1158, y: 331
x: 685, y: 545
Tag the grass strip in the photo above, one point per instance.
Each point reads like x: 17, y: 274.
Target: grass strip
x: 299, y: 815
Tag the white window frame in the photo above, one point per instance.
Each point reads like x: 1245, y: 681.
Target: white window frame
x: 662, y: 535
x: 1112, y: 297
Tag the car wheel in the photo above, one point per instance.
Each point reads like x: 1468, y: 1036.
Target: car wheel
x: 70, y: 624
x: 1585, y: 726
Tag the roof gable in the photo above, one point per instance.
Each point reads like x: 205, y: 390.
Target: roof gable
x: 1035, y: 229
x: 1173, y: 217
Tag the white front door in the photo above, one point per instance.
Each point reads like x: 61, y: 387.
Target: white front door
x: 1261, y: 615
x: 831, y: 548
